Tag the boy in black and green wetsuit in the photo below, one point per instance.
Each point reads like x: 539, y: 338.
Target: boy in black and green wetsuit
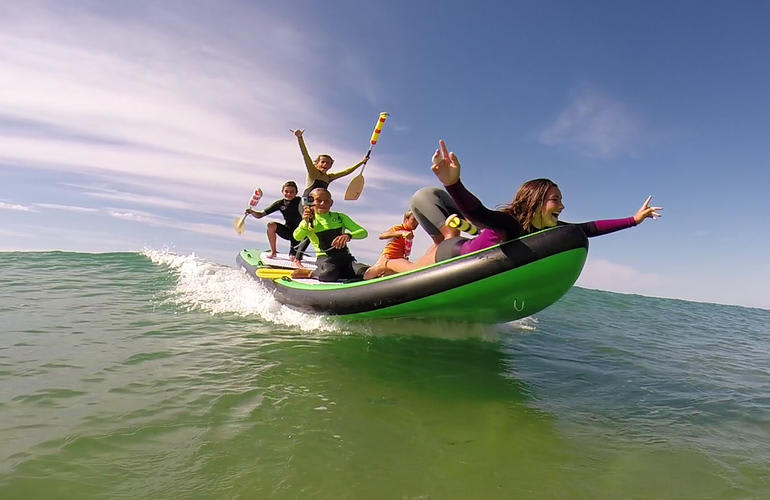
x: 330, y: 233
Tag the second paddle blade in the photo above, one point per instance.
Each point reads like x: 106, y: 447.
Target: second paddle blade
x: 239, y: 224
x: 355, y: 187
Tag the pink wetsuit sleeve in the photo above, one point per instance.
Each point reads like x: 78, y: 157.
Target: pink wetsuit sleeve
x: 600, y: 227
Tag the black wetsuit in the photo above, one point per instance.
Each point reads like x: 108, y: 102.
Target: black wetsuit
x: 290, y: 209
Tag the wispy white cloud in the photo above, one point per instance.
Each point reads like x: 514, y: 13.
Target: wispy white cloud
x: 143, y: 218
x: 140, y: 199
x: 164, y: 114
x: 69, y: 208
x: 606, y: 275
x: 596, y: 125
x: 162, y: 123
x: 134, y: 216
x: 16, y: 207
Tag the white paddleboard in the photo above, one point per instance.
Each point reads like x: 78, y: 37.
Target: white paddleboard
x: 283, y: 260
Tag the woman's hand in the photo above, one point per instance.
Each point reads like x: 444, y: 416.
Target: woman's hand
x: 647, y: 211
x: 446, y: 166
x: 340, y: 241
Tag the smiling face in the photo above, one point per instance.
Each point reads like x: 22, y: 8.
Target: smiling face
x: 289, y: 192
x: 322, y: 200
x: 324, y: 163
x: 547, y: 213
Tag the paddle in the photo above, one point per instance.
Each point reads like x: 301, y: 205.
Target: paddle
x: 240, y: 223
x: 357, y: 183
x: 272, y: 273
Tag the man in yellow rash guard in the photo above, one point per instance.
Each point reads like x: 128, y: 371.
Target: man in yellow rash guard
x: 330, y: 233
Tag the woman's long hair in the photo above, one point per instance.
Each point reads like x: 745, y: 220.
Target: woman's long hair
x: 528, y: 198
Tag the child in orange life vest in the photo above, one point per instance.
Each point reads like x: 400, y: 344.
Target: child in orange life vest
x: 400, y: 244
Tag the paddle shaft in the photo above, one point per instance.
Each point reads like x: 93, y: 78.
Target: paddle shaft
x: 357, y: 183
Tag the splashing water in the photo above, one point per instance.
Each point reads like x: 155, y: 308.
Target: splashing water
x: 220, y: 289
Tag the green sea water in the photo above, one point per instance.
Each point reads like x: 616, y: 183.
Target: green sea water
x: 153, y: 375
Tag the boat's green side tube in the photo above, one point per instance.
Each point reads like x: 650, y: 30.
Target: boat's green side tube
x: 507, y: 296
x: 502, y: 283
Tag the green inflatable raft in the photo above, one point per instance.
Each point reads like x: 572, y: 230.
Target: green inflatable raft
x: 502, y: 283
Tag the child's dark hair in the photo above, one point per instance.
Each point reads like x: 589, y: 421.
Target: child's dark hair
x: 289, y: 184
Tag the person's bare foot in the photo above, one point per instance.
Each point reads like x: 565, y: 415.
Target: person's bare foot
x: 272, y: 255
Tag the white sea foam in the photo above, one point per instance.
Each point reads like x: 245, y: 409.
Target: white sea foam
x: 218, y: 289
x: 221, y: 289
x: 527, y: 324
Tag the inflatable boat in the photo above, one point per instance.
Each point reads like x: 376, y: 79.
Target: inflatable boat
x: 502, y: 283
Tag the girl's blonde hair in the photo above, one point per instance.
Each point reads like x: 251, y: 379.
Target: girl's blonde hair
x: 331, y: 160
x: 528, y: 199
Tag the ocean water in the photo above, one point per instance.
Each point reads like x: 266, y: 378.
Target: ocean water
x: 153, y: 375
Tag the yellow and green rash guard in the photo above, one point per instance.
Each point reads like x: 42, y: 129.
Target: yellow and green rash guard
x: 316, y: 178
x: 325, y: 228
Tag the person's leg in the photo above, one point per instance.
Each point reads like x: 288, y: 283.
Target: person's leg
x: 326, y: 270
x: 302, y: 273
x: 449, y: 232
x: 359, y: 269
x: 285, y: 233
x: 301, y: 249
x: 386, y: 267
x: 271, y: 228
x: 394, y: 266
x: 449, y: 248
x: 431, y: 206
x: 293, y: 250
x: 378, y: 269
x: 401, y: 265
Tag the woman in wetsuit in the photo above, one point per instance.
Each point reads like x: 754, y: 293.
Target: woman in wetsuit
x: 536, y: 205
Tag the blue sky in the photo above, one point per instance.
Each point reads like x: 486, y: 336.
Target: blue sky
x: 134, y: 125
